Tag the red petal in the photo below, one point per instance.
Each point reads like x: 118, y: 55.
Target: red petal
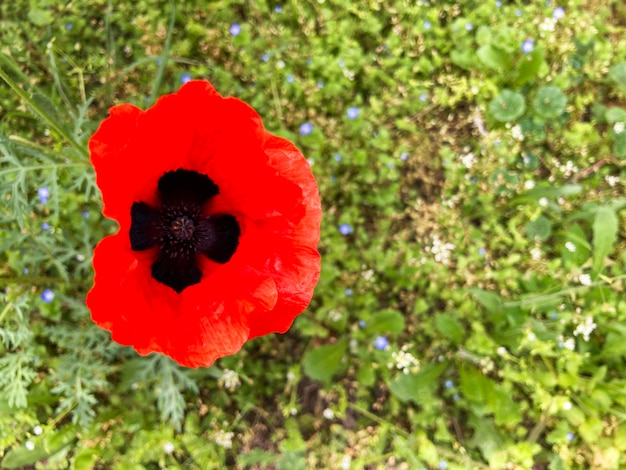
x: 264, y: 181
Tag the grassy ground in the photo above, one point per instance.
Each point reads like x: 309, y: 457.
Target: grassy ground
x: 470, y: 162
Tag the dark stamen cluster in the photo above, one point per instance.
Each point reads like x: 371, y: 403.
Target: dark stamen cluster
x: 180, y: 230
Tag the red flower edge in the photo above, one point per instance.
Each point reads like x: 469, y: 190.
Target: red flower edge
x: 264, y: 183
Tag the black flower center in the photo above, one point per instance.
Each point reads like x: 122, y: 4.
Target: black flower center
x: 180, y: 230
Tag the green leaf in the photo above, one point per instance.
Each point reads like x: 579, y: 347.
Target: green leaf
x: 411, y: 387
x: 507, y: 106
x: 529, y: 67
x: 45, y: 447
x: 365, y: 375
x: 605, y: 225
x: 386, y: 321
x: 553, y: 192
x: 494, y: 58
x: 450, y: 327
x: 576, y: 240
x: 617, y: 74
x: 539, y: 229
x: 619, y: 144
x: 322, y: 362
x: 487, y: 398
x: 489, y: 300
x: 550, y: 102
x: 40, y: 17
x: 591, y: 429
x: 615, y: 114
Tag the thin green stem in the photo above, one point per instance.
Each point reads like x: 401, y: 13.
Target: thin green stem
x: 40, y: 167
x: 555, y: 295
x: 43, y: 115
x: 165, y: 55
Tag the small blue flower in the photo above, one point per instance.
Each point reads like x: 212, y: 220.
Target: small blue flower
x: 518, y: 12
x: 469, y: 26
x: 341, y: 63
x: 362, y: 323
x: 456, y: 397
x: 337, y: 157
x: 482, y: 251
x: 290, y: 78
x: 448, y: 384
x: 43, y: 194
x: 25, y: 271
x: 443, y: 465
x: 348, y: 292
x: 528, y: 46
x: 345, y: 229
x: 45, y: 226
x: 558, y: 13
x: 554, y: 316
x: 427, y: 24
x: 265, y: 57
x: 498, y: 3
x: 320, y: 84
x: 423, y: 96
x: 353, y: 112
x: 381, y: 343
x: 570, y: 436
x: 184, y: 78
x: 235, y: 29
x: 306, y: 128
x: 47, y: 296
x: 404, y: 156
x: 278, y: 9
x: 85, y: 214
x: 69, y: 26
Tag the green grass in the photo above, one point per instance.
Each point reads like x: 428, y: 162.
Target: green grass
x: 482, y: 182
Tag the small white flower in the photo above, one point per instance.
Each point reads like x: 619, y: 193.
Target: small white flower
x: 290, y: 376
x: 547, y: 25
x: 168, y: 447
x: 585, y: 279
x: 612, y: 180
x: 531, y: 336
x: 310, y: 161
x: 37, y: 430
x: 328, y: 414
x: 404, y: 361
x: 30, y: 445
x: 346, y: 460
x: 570, y: 247
x: 293, y: 411
x: 618, y: 127
x: 230, y: 380
x: 585, y: 329
x: 441, y: 251
x: 543, y: 202
x: 335, y: 315
x: 468, y: 160
x: 367, y: 274
x: 570, y: 344
x: 530, y: 184
x: 502, y: 351
x: 567, y: 405
x: 535, y: 253
x: 280, y: 64
x: 516, y: 132
x: 224, y: 439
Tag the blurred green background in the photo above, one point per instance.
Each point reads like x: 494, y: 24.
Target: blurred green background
x: 470, y: 158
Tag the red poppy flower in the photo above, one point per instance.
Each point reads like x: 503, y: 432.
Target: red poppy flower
x: 219, y: 224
